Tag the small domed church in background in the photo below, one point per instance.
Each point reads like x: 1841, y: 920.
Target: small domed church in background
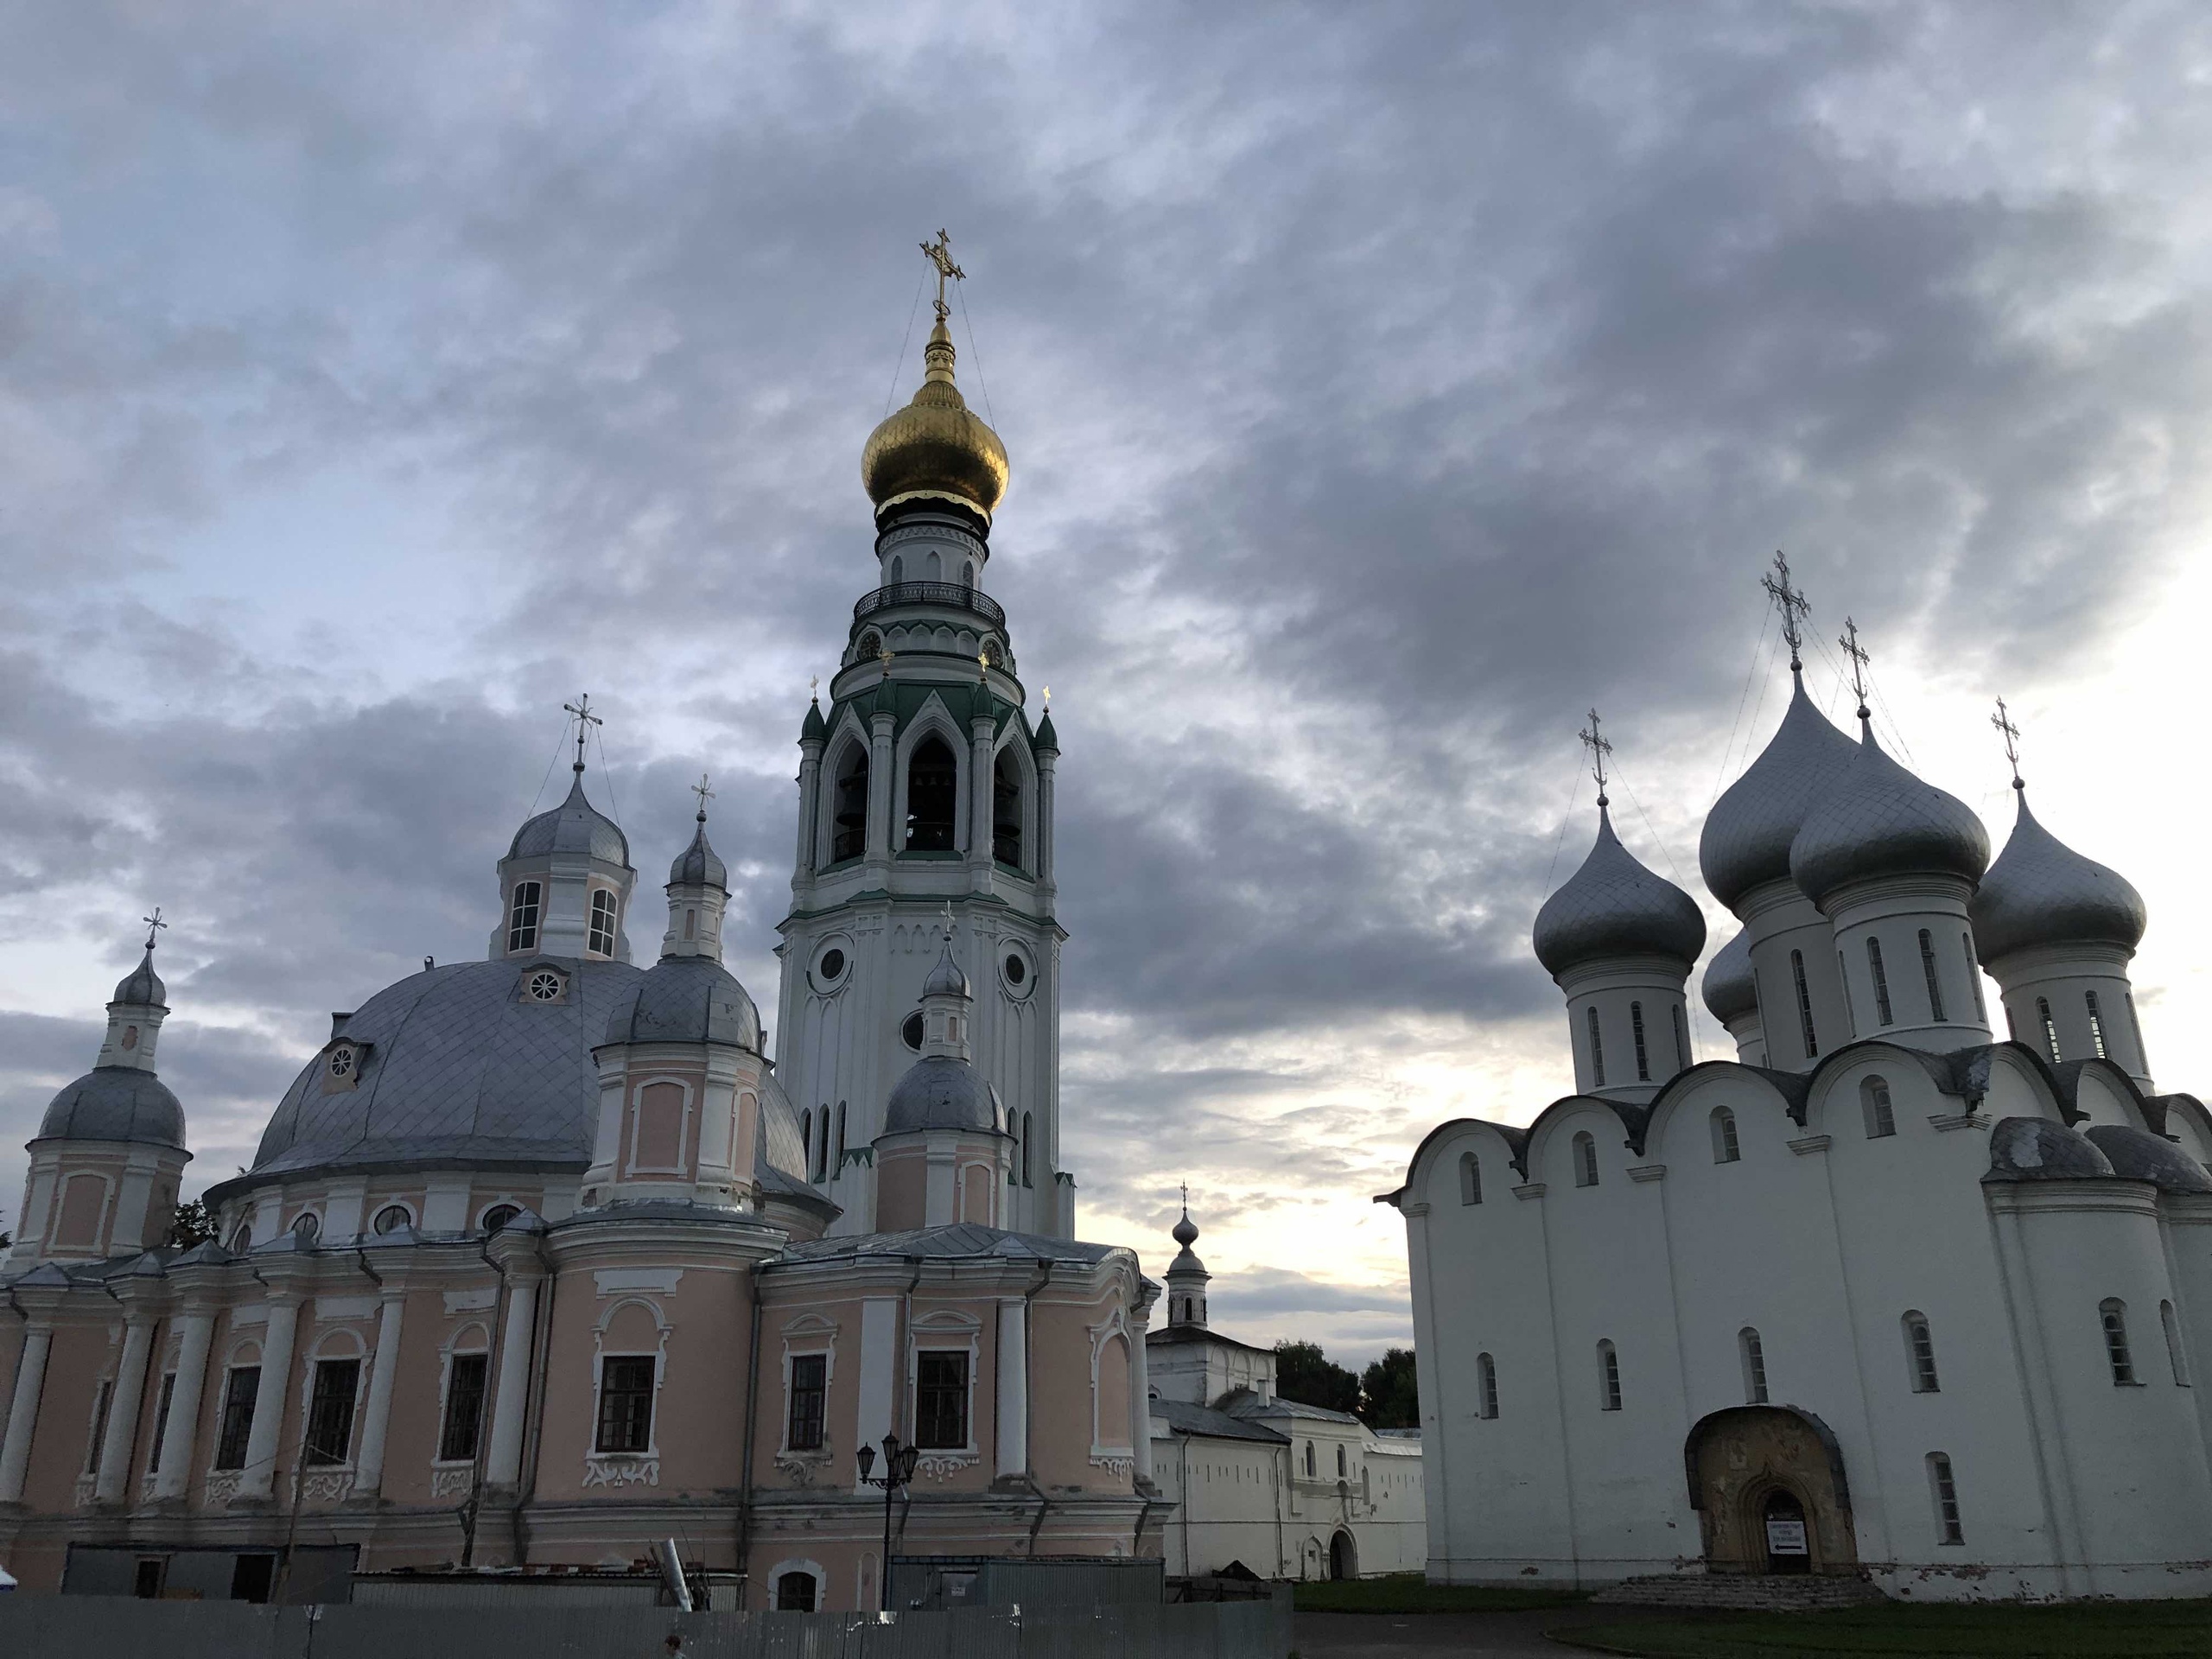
x: 1882, y: 1297
x: 542, y: 1260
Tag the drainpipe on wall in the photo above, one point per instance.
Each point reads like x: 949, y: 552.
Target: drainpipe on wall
x: 751, y: 1432
x: 1029, y: 1405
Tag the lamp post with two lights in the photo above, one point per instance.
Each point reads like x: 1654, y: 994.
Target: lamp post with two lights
x: 898, y: 1472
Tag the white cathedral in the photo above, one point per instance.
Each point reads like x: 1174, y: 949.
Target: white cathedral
x: 1885, y: 1297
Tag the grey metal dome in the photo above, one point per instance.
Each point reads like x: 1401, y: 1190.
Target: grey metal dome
x: 2139, y: 1156
x: 947, y: 978
x: 1732, y: 990
x: 1612, y: 907
x: 699, y: 865
x: 1747, y: 834
x: 941, y: 1092
x: 686, y: 1000
x: 1881, y: 820
x: 2037, y: 1149
x: 463, y: 1067
x: 142, y: 987
x: 116, y: 1103
x: 575, y: 826
x: 2040, y: 891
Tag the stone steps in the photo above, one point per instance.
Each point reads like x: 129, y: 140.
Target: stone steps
x: 1787, y: 1592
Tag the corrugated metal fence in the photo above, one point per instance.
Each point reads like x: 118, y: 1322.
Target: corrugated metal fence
x: 57, y: 1625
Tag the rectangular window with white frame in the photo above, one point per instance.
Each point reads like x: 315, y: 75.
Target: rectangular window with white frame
x: 805, y: 1424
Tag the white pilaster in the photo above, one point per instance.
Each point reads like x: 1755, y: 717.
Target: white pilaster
x: 258, y: 1479
x: 504, y: 1467
x: 22, y: 1412
x: 1013, y: 1387
x: 368, y: 1462
x: 1140, y: 1398
x: 196, y: 1334
x: 123, y: 1411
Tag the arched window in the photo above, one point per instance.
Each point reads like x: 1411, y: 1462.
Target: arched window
x: 1919, y: 1353
x: 967, y: 572
x: 391, y: 1218
x: 1340, y: 1463
x: 2096, y: 1024
x: 2049, y: 1027
x: 1973, y: 978
x: 806, y: 1138
x: 1609, y: 1378
x: 1597, y: 1049
x: 522, y: 916
x: 241, y: 1239
x: 1725, y: 1148
x: 307, y: 1227
x: 839, y: 1164
x: 1882, y: 1010
x: 1934, y: 984
x: 1470, y: 1178
x: 848, y: 812
x: 1804, y: 1006
x: 600, y: 940
x: 1874, y: 1105
x: 1945, y: 1494
x: 932, y: 567
x: 2112, y: 1313
x: 497, y: 1217
x: 1681, y: 1039
x: 933, y: 787
x: 2175, y: 1357
x: 795, y: 1592
x: 1643, y: 1055
x: 1586, y: 1160
x: 1486, y: 1381
x: 868, y: 647
x: 1028, y: 1141
x: 1752, y: 1352
x: 1006, y: 811
x: 1310, y: 1469
x: 898, y: 569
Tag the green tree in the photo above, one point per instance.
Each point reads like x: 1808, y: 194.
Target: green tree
x: 191, y: 1226
x: 1305, y: 1374
x: 1389, y: 1398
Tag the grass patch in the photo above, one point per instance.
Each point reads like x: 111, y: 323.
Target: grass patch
x: 1410, y: 1592
x: 2140, y: 1629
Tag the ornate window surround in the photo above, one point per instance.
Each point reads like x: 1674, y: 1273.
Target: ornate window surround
x: 932, y: 718
x: 943, y: 1330
x: 452, y: 1476
x: 624, y: 1468
x: 797, y: 1564
x: 332, y: 1482
x: 810, y: 1333
x: 1115, y: 1456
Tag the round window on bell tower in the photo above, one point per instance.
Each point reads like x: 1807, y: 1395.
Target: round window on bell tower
x: 911, y: 1032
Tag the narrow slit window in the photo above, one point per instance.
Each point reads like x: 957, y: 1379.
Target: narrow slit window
x: 1726, y: 1149
x: 1753, y: 1354
x: 1643, y: 1054
x: 2049, y: 1027
x: 1486, y: 1375
x: 1874, y: 1101
x: 1682, y: 1041
x: 240, y: 1389
x: 839, y: 1162
x: 1945, y: 1494
x: 1882, y: 1010
x: 932, y: 795
x: 1470, y: 1178
x: 600, y: 940
x: 2176, y: 1358
x: 2112, y: 1314
x: 1935, y: 980
x: 162, y: 1424
x: 100, y: 1403
x: 848, y: 812
x: 1804, y: 1006
x: 1919, y: 1353
x: 1609, y: 1378
x: 1974, y: 979
x: 1597, y: 1049
x: 2096, y: 1024
x: 1850, y: 1003
x: 522, y: 916
x: 1028, y: 1143
x: 1006, y: 811
x: 1586, y: 1160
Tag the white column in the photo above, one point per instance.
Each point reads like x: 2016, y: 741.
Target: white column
x: 123, y: 1411
x: 23, y: 1413
x: 197, y: 1334
x: 261, y: 1442
x: 368, y: 1462
x: 810, y: 806
x: 1140, y: 1402
x: 880, y: 839
x: 878, y: 1369
x: 1013, y: 1387
x: 505, y: 1467
x: 981, y: 752
x: 1042, y: 858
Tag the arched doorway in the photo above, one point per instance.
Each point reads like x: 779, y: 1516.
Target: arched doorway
x: 1769, y: 1486
x: 1344, y: 1562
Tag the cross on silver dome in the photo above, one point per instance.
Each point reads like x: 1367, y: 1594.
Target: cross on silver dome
x: 154, y: 926
x: 1793, y: 605
x: 1594, y: 741
x: 585, y: 720
x: 1849, y: 640
x: 704, y: 794
x: 2002, y: 719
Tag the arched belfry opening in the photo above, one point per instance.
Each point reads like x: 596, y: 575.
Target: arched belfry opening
x: 848, y: 807
x: 1769, y: 1486
x: 932, y: 790
x: 1006, y: 811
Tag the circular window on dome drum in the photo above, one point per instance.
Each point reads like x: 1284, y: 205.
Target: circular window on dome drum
x: 391, y: 1218
x: 831, y: 968
x: 498, y: 1216
x: 911, y: 1032
x: 1014, y: 968
x: 307, y: 1227
x: 545, y: 986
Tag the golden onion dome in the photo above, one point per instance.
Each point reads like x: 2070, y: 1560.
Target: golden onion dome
x: 936, y: 447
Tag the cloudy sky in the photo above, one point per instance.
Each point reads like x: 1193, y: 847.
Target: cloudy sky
x: 1384, y: 386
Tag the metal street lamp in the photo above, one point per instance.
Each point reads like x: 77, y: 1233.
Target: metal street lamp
x: 898, y: 1472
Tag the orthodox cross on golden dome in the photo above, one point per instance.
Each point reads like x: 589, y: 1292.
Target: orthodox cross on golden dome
x: 585, y: 720
x: 1793, y: 605
x: 940, y: 255
x: 1849, y: 640
x: 154, y: 926
x: 2002, y: 719
x: 1594, y: 741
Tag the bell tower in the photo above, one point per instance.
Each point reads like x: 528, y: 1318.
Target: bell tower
x: 925, y: 804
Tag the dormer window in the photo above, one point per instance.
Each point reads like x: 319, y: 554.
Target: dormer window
x: 545, y: 985
x: 341, y: 1061
x: 522, y: 916
x: 601, y: 939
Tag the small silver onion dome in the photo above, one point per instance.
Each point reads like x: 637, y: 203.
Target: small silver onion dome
x: 946, y: 979
x: 116, y: 1103
x: 2037, y: 1149
x: 1185, y: 1231
x: 1613, y: 906
x: 1747, y: 834
x: 699, y: 865
x: 142, y: 987
x: 1881, y: 820
x: 575, y: 826
x: 2139, y: 1156
x: 686, y: 1000
x: 2040, y: 891
x: 1732, y: 990
x: 941, y: 1091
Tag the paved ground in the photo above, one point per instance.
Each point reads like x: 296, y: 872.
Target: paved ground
x: 1486, y: 1636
